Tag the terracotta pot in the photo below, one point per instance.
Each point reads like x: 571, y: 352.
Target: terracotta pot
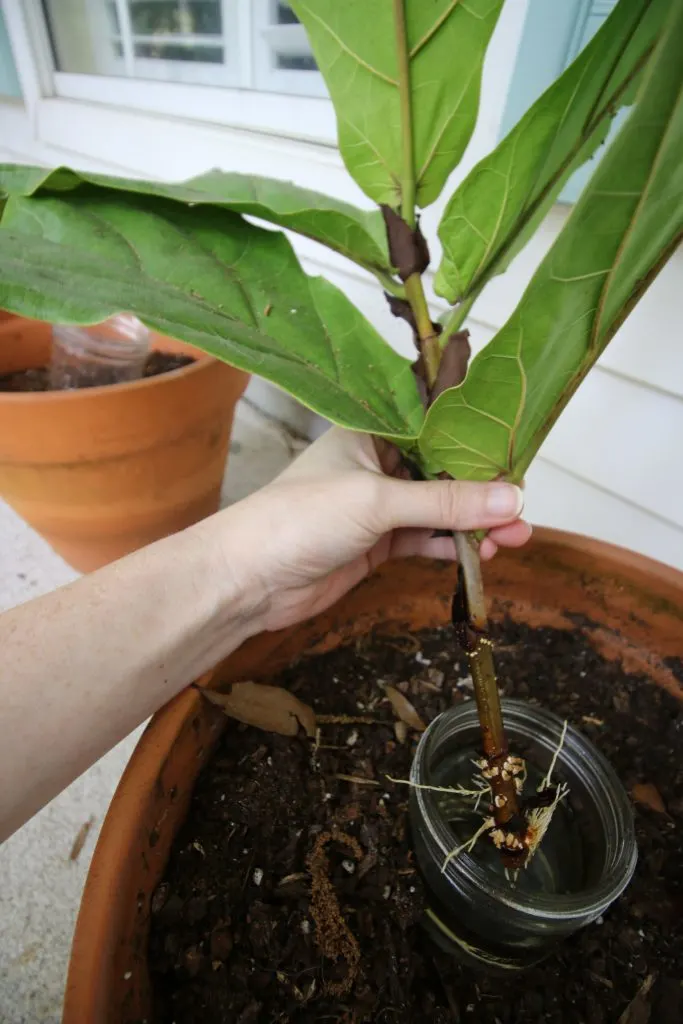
x: 635, y: 603
x: 102, y: 471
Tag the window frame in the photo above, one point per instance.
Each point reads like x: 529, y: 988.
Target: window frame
x: 271, y: 109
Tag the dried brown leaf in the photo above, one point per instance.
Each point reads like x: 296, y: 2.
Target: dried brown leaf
x: 648, y: 795
x: 403, y: 709
x: 270, y: 708
x: 638, y: 1010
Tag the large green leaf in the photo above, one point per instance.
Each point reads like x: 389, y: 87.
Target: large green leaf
x: 626, y: 225
x: 357, y: 234
x: 502, y: 200
x: 359, y: 52
x: 210, y: 278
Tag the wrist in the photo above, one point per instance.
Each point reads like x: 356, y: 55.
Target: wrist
x: 224, y: 573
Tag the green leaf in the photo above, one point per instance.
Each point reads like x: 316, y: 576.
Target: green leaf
x: 357, y: 234
x: 626, y: 225
x: 500, y: 203
x: 355, y: 45
x: 210, y: 278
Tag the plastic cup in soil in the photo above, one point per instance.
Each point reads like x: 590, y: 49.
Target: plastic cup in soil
x: 486, y: 916
x: 112, y: 352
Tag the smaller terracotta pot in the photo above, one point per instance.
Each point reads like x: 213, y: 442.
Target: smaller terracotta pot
x: 103, y: 471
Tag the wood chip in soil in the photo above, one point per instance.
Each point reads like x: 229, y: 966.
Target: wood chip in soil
x: 234, y: 936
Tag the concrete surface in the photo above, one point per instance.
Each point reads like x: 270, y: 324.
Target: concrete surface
x: 41, y: 885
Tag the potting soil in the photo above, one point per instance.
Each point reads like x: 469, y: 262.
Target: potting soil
x: 292, y: 892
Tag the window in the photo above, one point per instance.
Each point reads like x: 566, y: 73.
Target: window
x: 248, y: 44
x: 554, y: 34
x: 9, y: 81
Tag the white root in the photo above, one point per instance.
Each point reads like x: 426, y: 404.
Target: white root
x: 469, y: 845
x: 546, y: 781
x: 539, y: 818
x: 455, y: 790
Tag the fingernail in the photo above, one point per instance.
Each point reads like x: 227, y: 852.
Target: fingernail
x: 504, y: 500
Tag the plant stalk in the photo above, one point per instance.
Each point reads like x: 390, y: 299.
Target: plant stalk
x: 473, y: 634
x: 473, y: 624
x: 430, y: 347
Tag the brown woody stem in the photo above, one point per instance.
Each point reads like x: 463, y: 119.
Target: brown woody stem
x: 471, y: 622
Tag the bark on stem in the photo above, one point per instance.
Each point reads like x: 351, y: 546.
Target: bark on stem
x: 471, y: 622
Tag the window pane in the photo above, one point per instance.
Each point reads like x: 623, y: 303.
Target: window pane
x: 168, y: 17
x: 172, y: 40
x: 285, y: 15
x: 9, y: 82
x: 286, y: 62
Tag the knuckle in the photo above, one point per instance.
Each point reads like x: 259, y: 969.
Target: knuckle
x: 450, y: 503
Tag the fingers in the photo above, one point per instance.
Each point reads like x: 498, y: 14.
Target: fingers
x: 423, y: 542
x: 512, y: 536
x: 446, y: 504
x: 487, y: 549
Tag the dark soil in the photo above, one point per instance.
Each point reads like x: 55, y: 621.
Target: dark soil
x: 38, y: 379
x: 236, y: 938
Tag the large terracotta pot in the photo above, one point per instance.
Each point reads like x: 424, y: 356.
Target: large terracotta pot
x: 636, y: 606
x: 102, y: 471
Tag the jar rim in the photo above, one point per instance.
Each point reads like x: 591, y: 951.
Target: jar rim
x: 596, y: 770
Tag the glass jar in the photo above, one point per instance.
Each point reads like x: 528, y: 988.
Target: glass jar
x: 585, y: 861
x: 106, y: 353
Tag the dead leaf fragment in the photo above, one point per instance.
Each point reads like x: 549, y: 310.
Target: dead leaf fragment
x: 648, y: 795
x: 270, y: 708
x: 81, y: 836
x: 639, y: 1009
x: 403, y: 709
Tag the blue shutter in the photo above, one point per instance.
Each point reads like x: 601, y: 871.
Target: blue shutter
x: 9, y: 82
x: 555, y: 31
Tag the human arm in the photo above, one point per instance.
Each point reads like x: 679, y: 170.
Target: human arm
x: 84, y: 665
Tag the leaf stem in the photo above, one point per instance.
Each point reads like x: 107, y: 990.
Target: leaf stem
x: 403, y: 60
x: 389, y: 284
x: 457, y: 316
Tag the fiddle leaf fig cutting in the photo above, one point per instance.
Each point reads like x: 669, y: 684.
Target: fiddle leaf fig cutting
x: 404, y: 78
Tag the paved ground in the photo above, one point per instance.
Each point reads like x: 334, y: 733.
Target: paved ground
x: 41, y: 885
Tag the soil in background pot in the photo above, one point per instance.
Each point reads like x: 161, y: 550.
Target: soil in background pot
x: 38, y: 379
x: 292, y: 894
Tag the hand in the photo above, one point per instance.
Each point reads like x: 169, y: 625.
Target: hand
x: 336, y: 514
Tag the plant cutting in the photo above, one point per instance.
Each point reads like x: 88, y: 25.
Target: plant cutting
x: 78, y: 248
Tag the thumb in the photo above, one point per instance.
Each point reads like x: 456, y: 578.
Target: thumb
x: 448, y: 504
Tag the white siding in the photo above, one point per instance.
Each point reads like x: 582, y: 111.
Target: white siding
x: 612, y: 467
